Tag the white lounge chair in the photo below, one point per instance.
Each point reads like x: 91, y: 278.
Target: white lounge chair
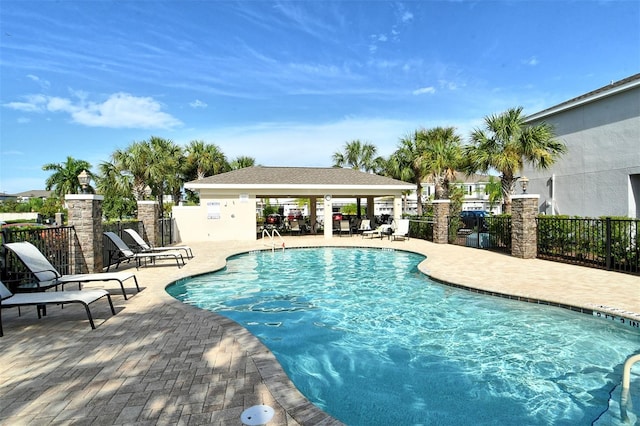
x: 365, y: 225
x: 47, y: 275
x: 38, y: 299
x: 380, y: 231
x: 145, y: 247
x: 401, y: 230
x: 123, y: 252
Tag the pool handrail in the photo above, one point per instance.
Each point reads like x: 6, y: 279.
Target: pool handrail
x: 274, y: 232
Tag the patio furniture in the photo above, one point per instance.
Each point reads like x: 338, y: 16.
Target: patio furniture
x: 380, y: 231
x: 86, y: 297
x: 365, y: 225
x: 122, y: 252
x: 345, y: 226
x: 146, y: 247
x: 401, y: 231
x: 47, y: 276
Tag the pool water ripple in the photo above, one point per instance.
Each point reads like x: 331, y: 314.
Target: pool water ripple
x: 369, y: 339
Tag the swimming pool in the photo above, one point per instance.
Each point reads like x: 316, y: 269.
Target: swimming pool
x: 370, y: 340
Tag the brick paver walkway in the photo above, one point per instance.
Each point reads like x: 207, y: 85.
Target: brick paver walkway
x: 158, y: 361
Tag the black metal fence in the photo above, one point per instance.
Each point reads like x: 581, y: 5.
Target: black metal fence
x: 612, y: 244
x: 421, y: 228
x: 489, y: 232
x: 166, y: 231
x: 58, y: 244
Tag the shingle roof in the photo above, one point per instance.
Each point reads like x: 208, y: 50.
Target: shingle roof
x: 329, y: 176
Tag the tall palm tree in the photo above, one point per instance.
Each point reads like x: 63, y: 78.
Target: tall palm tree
x: 358, y: 156
x: 408, y: 163
x: 134, y: 161
x: 205, y: 160
x: 506, y: 143
x: 117, y: 190
x: 64, y: 179
x: 442, y: 156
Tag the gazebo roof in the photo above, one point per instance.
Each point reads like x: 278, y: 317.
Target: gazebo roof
x: 298, y: 177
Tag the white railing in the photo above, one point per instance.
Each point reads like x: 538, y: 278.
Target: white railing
x: 625, y: 397
x: 272, y: 235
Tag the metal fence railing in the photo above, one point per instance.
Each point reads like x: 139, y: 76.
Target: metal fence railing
x: 421, y: 228
x: 488, y: 232
x: 58, y: 244
x: 166, y: 231
x: 612, y: 244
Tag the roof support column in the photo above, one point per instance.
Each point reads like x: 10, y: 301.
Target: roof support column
x: 397, y: 207
x: 328, y: 216
x: 313, y: 219
x: 371, y: 211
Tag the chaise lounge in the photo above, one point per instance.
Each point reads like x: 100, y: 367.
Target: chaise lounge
x: 47, y: 276
x: 122, y: 252
x: 86, y: 297
x: 145, y: 247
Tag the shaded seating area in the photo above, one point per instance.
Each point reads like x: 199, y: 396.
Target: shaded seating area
x: 380, y: 231
x: 41, y: 299
x: 123, y: 252
x: 143, y: 246
x: 47, y: 276
x: 345, y: 227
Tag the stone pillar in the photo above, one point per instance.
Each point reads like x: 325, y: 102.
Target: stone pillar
x: 149, y: 215
x: 441, y: 221
x: 524, y: 237
x: 85, y: 215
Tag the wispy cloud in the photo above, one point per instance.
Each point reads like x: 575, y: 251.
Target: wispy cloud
x: 425, y: 90
x: 532, y: 61
x: 198, y: 104
x: 119, y: 110
x: 44, y: 84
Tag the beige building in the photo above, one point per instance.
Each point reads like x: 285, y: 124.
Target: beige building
x: 229, y: 202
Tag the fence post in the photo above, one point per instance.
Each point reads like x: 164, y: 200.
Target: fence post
x: 524, y: 232
x: 608, y: 243
x: 85, y: 215
x: 441, y: 221
x: 149, y: 215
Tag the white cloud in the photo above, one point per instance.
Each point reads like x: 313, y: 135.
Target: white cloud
x: 43, y: 83
x: 425, y: 90
x: 198, y: 104
x: 532, y: 61
x: 120, y: 110
x: 406, y: 16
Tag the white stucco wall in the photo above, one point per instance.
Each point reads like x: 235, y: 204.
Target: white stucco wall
x: 596, y: 175
x: 219, y: 217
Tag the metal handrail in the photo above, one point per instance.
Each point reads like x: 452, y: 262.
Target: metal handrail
x: 625, y: 399
x: 271, y: 236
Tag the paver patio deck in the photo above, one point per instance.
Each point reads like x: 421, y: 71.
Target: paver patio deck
x: 158, y: 361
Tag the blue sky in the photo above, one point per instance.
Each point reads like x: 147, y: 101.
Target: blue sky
x: 288, y: 82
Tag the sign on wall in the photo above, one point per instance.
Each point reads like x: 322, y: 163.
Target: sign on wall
x: 213, y: 210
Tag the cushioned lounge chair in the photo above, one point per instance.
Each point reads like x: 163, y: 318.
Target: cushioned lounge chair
x: 401, y: 230
x: 365, y: 225
x: 86, y: 297
x: 145, y: 247
x: 47, y: 275
x: 345, y: 226
x: 122, y: 252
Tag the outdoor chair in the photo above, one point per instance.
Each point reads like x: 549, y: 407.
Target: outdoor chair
x: 401, y: 230
x: 345, y: 226
x: 122, y: 252
x: 47, y: 276
x: 145, y: 247
x: 380, y: 231
x: 40, y: 299
x: 365, y: 225
x: 294, y: 226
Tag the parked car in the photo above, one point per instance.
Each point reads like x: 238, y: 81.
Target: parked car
x: 474, y: 218
x: 273, y: 219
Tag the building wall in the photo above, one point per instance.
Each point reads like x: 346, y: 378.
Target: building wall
x: 599, y: 174
x: 219, y: 217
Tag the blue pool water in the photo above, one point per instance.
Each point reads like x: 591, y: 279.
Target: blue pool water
x: 372, y: 341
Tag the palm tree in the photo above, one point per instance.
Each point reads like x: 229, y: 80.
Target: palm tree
x: 358, y: 156
x: 117, y: 190
x: 205, y: 159
x: 442, y: 156
x: 242, y: 162
x: 506, y: 143
x: 407, y: 163
x: 134, y: 161
x: 64, y: 179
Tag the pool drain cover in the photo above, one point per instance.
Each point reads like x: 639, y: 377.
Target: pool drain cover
x: 257, y: 415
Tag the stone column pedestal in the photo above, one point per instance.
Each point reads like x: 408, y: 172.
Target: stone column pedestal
x: 149, y: 215
x: 524, y: 237
x: 85, y: 215
x: 441, y: 221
